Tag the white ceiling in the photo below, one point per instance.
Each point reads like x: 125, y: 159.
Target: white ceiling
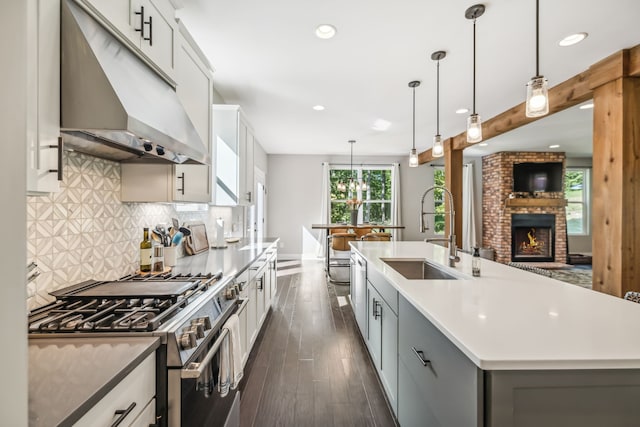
x: 268, y: 60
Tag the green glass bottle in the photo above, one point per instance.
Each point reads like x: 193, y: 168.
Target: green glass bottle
x: 145, y: 252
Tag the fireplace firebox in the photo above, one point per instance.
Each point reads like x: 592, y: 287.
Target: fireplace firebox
x: 533, y: 237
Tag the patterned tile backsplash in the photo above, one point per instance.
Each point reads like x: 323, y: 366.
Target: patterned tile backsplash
x: 84, y: 232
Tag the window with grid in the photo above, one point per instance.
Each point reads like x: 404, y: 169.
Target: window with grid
x: 576, y: 191
x: 438, y: 200
x: 376, y: 197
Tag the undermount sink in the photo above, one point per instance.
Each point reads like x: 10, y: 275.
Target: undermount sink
x: 418, y: 269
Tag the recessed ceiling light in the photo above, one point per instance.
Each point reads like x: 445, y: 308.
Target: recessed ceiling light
x: 318, y: 107
x: 462, y: 111
x: 482, y: 144
x: 587, y: 106
x: 573, y: 39
x: 381, y: 125
x: 325, y: 31
x: 554, y: 146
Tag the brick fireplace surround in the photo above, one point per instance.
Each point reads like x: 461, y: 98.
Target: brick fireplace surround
x: 497, y: 184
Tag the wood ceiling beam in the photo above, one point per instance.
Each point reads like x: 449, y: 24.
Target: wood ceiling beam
x: 569, y: 93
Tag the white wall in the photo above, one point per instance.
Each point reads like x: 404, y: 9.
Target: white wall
x: 581, y: 244
x: 13, y: 393
x: 295, y: 186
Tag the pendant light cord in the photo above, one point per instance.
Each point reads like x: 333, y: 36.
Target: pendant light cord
x: 438, y: 97
x: 537, y: 38
x: 414, y: 118
x: 474, y: 66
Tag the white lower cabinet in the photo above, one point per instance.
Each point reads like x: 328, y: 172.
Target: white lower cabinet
x: 132, y: 400
x: 147, y: 417
x: 244, y: 343
x: 359, y: 291
x: 383, y: 343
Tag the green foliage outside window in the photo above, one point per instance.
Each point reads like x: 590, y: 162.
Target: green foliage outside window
x: 575, y: 183
x: 376, y: 206
x: 438, y: 200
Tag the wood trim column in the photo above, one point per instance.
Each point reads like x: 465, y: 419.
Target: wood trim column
x: 616, y: 187
x: 453, y: 181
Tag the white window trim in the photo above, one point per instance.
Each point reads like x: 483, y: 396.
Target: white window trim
x: 586, y: 200
x: 359, y: 168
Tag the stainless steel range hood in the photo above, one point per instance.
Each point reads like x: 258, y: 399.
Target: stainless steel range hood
x: 113, y: 105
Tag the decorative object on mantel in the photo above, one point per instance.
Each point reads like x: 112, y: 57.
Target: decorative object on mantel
x: 537, y: 104
x: 438, y: 149
x: 474, y: 122
x: 413, y: 155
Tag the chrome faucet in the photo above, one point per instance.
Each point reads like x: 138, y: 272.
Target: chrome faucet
x: 451, y: 239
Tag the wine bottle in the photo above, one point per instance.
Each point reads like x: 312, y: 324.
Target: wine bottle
x: 145, y: 252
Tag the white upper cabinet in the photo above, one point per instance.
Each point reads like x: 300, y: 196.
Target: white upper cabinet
x: 148, y: 25
x: 195, y: 90
x: 233, y: 141
x: 44, y: 161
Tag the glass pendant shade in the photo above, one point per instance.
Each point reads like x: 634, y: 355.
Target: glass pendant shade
x: 341, y: 187
x: 438, y: 148
x: 537, y: 97
x: 474, y: 128
x: 413, y: 158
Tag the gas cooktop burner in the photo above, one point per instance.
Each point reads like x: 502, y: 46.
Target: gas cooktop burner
x: 133, y: 303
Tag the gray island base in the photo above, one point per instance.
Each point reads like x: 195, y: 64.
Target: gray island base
x: 445, y: 357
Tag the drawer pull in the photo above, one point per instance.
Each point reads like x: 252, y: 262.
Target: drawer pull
x: 420, y: 355
x: 123, y: 414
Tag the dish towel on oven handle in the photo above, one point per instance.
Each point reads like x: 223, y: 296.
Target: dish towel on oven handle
x: 230, y: 372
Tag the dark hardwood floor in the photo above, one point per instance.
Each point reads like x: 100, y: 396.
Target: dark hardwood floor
x: 309, y: 366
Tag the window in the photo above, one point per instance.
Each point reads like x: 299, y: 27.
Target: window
x: 376, y: 199
x: 438, y: 200
x: 576, y: 185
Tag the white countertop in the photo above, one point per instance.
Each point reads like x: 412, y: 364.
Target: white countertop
x: 513, y: 319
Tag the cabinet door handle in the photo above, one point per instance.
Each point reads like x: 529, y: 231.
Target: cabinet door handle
x: 420, y: 355
x: 182, y: 178
x: 376, y: 306
x: 60, y: 148
x: 123, y: 414
x: 150, y: 38
x: 261, y: 283
x: 141, y: 29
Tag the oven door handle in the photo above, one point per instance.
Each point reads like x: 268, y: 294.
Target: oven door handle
x: 196, y: 369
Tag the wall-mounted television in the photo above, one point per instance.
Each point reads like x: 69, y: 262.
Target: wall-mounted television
x: 537, y: 177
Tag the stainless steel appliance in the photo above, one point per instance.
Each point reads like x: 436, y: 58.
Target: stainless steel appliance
x: 112, y: 104
x: 186, y: 311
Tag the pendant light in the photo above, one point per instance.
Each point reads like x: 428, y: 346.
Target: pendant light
x: 413, y: 155
x: 355, y: 185
x: 537, y: 93
x: 438, y: 149
x: 474, y: 123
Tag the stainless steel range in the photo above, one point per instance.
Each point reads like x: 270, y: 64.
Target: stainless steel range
x: 186, y: 311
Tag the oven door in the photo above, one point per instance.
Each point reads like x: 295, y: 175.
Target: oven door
x: 194, y: 399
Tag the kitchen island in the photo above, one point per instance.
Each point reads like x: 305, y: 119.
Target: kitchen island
x: 507, y: 348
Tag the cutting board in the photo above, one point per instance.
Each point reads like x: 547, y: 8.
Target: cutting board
x: 197, y: 242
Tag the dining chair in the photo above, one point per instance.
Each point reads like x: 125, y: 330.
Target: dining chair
x: 338, y: 255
